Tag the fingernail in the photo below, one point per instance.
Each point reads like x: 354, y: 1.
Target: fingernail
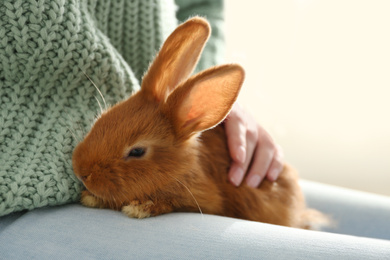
x: 253, y: 181
x: 241, y: 153
x: 236, y: 177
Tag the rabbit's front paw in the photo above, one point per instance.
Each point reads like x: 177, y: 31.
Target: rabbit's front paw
x: 136, y: 209
x: 89, y: 200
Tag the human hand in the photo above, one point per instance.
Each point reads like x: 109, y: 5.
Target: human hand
x: 252, y: 150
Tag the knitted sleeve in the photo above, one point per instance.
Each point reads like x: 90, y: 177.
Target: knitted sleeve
x: 213, y: 11
x: 136, y: 29
x: 47, y: 103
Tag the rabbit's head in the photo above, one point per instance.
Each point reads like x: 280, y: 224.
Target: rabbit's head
x: 146, y: 142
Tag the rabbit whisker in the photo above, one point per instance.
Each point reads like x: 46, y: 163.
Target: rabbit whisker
x: 100, y: 105
x: 100, y: 93
x: 73, y: 134
x: 110, y: 202
x: 200, y: 210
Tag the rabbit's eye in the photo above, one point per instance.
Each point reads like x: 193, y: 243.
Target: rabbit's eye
x: 137, y: 152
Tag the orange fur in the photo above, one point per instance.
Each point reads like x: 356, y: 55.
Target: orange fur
x: 186, y: 160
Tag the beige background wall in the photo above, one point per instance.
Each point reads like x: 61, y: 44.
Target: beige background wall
x: 318, y: 78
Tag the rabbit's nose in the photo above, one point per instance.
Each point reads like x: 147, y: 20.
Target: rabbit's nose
x: 86, y: 177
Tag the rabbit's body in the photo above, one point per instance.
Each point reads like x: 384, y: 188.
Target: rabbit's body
x: 164, y: 149
x: 280, y: 202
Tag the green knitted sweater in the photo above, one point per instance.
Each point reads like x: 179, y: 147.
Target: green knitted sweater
x: 47, y: 103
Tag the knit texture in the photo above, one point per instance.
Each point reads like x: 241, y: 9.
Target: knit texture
x: 48, y: 51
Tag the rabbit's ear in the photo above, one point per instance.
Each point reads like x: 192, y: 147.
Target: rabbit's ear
x: 177, y: 58
x: 205, y: 99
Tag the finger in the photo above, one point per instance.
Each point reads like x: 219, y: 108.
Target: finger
x: 236, y: 137
x: 261, y: 162
x: 242, y: 168
x: 237, y: 169
x: 276, y: 166
x: 236, y: 173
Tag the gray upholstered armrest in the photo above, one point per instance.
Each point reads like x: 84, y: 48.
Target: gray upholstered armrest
x: 76, y: 232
